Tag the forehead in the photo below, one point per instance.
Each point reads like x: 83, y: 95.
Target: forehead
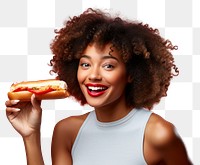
x: 107, y: 49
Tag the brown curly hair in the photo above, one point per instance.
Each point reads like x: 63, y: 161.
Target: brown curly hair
x: 146, y: 54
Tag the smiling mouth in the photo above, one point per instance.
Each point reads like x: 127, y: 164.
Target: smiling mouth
x: 96, y: 91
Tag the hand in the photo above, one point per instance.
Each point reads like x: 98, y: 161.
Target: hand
x: 25, y: 117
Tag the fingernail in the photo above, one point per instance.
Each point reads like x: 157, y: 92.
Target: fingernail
x: 15, y: 101
x: 17, y: 109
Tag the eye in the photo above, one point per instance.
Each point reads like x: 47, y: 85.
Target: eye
x: 85, y: 65
x: 108, y: 66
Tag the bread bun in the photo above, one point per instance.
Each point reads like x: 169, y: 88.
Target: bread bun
x: 43, y: 90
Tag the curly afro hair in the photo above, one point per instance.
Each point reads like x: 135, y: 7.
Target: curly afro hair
x: 146, y: 54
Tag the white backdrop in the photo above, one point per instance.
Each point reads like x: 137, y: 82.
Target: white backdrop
x: 27, y: 28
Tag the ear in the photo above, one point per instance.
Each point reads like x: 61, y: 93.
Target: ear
x: 130, y: 79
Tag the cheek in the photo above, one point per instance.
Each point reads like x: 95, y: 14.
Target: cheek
x: 79, y: 76
x: 116, y: 77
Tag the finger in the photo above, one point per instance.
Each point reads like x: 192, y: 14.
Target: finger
x: 36, y: 103
x: 11, y: 113
x: 11, y: 110
x: 9, y: 103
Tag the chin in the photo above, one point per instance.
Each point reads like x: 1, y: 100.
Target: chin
x: 95, y: 103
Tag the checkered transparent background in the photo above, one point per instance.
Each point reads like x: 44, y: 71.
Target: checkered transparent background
x: 27, y: 28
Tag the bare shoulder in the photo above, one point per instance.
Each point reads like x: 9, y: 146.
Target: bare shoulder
x: 163, y: 140
x: 68, y: 128
x: 160, y: 132
x: 71, y: 124
x: 64, y: 135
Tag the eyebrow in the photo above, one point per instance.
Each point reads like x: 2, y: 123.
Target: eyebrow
x: 104, y: 57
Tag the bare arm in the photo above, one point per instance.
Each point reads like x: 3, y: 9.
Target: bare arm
x: 64, y: 135
x: 33, y: 149
x: 62, y: 144
x: 174, y: 151
x: 25, y: 117
x: 165, y: 143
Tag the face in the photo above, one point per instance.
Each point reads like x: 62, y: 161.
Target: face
x: 102, y: 77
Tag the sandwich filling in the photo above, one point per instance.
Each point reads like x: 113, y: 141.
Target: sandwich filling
x: 38, y: 90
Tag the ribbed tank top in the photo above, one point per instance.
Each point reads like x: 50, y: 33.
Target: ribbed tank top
x: 111, y: 143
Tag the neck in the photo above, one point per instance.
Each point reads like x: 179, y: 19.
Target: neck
x: 112, y: 112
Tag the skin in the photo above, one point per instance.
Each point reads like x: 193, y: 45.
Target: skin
x: 97, y: 67
x: 25, y: 117
x: 162, y: 145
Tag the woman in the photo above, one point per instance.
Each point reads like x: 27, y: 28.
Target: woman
x: 122, y: 69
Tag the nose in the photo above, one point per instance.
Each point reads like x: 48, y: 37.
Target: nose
x: 95, y: 74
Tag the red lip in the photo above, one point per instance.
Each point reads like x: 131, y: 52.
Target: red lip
x: 96, y: 93
x: 96, y: 85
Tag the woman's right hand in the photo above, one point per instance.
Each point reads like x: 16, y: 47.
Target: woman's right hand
x: 25, y: 117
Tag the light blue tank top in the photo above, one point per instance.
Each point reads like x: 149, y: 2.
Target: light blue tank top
x: 113, y: 143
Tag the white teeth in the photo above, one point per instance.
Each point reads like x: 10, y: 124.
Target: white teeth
x: 96, y: 88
